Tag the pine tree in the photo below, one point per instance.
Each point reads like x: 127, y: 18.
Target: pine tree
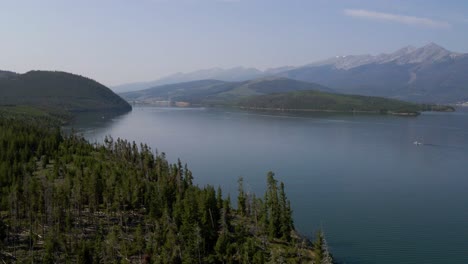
x: 286, y: 218
x: 139, y: 241
x: 321, y: 251
x: 318, y: 247
x: 327, y: 258
x: 273, y: 210
x: 241, y: 198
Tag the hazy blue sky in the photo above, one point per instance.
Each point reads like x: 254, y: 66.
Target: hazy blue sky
x: 118, y: 41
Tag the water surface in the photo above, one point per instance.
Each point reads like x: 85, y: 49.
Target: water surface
x: 379, y: 197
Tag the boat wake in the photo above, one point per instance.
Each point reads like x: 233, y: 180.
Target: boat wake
x: 419, y: 143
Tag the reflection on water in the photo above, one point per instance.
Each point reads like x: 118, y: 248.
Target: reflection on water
x: 93, y: 122
x: 379, y: 197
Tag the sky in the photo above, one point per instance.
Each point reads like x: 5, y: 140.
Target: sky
x: 122, y: 41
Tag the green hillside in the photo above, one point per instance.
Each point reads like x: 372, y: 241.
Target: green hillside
x: 58, y: 92
x: 321, y: 101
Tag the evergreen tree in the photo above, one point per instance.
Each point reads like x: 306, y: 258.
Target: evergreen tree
x: 241, y: 198
x: 321, y: 251
x: 273, y: 209
x: 286, y: 218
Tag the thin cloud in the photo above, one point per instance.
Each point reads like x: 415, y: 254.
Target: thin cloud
x: 408, y: 20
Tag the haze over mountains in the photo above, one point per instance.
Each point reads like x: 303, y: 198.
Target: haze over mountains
x: 233, y: 74
x: 219, y: 92
x: 236, y: 74
x: 426, y: 74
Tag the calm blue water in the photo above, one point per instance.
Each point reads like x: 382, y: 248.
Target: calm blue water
x: 379, y: 197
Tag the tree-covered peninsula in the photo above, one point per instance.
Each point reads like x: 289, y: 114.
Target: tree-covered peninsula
x: 65, y: 200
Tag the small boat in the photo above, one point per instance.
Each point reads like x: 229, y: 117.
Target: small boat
x: 417, y: 143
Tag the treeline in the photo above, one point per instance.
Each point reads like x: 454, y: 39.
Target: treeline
x: 64, y: 200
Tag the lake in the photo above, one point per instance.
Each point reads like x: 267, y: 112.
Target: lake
x: 378, y: 197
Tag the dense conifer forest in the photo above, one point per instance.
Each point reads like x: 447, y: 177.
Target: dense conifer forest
x: 58, y: 92
x: 65, y: 200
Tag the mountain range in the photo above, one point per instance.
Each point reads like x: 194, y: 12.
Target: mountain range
x: 427, y: 74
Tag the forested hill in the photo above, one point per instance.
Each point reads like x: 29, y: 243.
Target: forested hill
x: 322, y: 101
x: 58, y: 91
x: 64, y: 200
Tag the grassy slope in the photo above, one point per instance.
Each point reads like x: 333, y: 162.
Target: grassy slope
x: 58, y: 92
x: 273, y: 85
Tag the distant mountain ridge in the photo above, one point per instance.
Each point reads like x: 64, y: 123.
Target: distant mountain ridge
x: 430, y: 74
x: 236, y: 74
x: 430, y: 53
x: 229, y: 75
x: 58, y: 91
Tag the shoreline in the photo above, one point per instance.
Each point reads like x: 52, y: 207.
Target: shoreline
x: 380, y: 112
x: 331, y: 111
